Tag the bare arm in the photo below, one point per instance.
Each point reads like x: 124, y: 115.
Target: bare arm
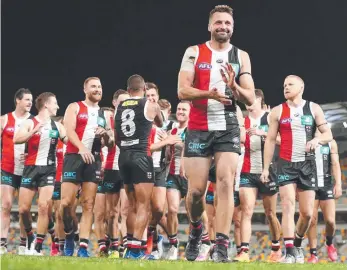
x: 62, y: 133
x: 335, y: 167
x: 154, y: 112
x: 70, y: 125
x: 108, y: 138
x: 3, y: 122
x: 325, y: 135
x: 270, y: 141
x: 244, y: 91
x: 25, y: 132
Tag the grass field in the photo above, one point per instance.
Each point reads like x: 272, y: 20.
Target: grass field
x: 13, y: 262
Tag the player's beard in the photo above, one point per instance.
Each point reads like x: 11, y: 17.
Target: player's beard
x: 221, y: 39
x: 94, y: 97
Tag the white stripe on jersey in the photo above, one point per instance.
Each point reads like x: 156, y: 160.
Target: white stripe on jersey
x: 298, y: 134
x: 255, y: 148
x: 320, y: 165
x: 89, y: 131
x: 157, y: 154
x: 19, y: 149
x: 44, y: 146
x: 239, y: 168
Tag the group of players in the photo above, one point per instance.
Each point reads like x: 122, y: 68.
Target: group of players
x: 133, y: 162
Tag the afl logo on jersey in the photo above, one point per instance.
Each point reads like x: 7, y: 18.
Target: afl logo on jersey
x: 83, y: 116
x: 286, y: 120
x: 204, y: 66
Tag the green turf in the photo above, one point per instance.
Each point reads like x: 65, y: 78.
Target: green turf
x: 13, y: 262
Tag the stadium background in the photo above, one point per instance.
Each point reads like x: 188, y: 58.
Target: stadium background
x: 54, y: 46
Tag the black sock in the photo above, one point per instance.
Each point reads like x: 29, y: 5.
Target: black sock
x: 244, y: 247
x: 23, y: 242
x: 298, y: 240
x: 329, y: 240
x: 3, y: 242
x: 125, y: 242
x: 39, y: 241
x: 61, y: 244
x: 31, y: 238
x: 102, y: 245
x: 84, y: 243
x: 222, y: 239
x: 56, y: 240
x: 238, y: 249
x: 114, y: 244
x: 76, y: 237
x: 196, y: 228
x: 275, y: 245
x: 289, y: 244
x: 313, y: 251
x: 205, y: 239
x: 173, y: 240
x: 213, y: 242
x: 135, y: 245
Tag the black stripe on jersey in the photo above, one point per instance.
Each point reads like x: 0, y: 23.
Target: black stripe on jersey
x: 96, y: 147
x: 53, y: 145
x: 309, y: 130
x: 263, y: 122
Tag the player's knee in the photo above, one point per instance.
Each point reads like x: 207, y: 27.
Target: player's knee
x: 24, y: 209
x: 58, y: 217
x: 172, y: 210
x: 330, y: 222
x: 6, y: 206
x: 270, y: 214
x: 288, y: 206
x: 43, y: 208
x: 247, y: 211
x: 88, y: 206
x: 157, y: 214
x: 306, y: 214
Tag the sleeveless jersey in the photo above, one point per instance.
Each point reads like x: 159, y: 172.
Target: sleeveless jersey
x: 254, y: 145
x: 323, y: 164
x: 61, y: 148
x: 10, y: 152
x: 41, y: 147
x: 159, y: 156
x: 132, y: 127
x: 209, y: 114
x: 176, y: 151
x: 297, y: 126
x: 87, y: 120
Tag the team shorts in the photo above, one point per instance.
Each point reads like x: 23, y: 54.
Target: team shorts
x: 207, y: 143
x: 75, y: 170
x: 10, y: 179
x: 177, y: 182
x: 303, y: 174
x: 38, y: 176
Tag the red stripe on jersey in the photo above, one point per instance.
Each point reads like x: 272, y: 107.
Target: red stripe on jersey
x: 7, y: 149
x: 198, y: 111
x: 111, y: 155
x: 150, y: 141
x: 246, y: 167
x: 33, y: 146
x: 81, y: 123
x: 285, y: 127
x: 60, y: 160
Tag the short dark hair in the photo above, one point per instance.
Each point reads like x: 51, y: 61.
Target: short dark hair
x: 164, y: 104
x: 20, y: 94
x: 260, y: 94
x: 150, y: 85
x: 130, y: 82
x: 221, y: 8
x: 118, y: 93
x: 42, y: 99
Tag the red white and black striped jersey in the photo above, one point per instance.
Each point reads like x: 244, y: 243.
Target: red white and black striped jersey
x: 209, y: 114
x: 254, y: 145
x: 10, y: 152
x: 297, y: 126
x: 41, y: 147
x: 60, y: 152
x: 176, y: 151
x: 87, y: 121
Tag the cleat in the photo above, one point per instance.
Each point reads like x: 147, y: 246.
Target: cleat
x: 289, y: 259
x: 160, y: 246
x: 299, y: 255
x: 204, y: 253
x: 35, y: 253
x: 313, y: 259
x: 22, y: 250
x: 275, y: 256
x: 69, y: 247
x: 3, y: 250
x: 193, y: 246
x: 113, y: 254
x: 137, y: 256
x: 154, y: 255
x: 172, y: 253
x: 54, y: 249
x: 242, y: 257
x: 83, y: 252
x: 332, y: 253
